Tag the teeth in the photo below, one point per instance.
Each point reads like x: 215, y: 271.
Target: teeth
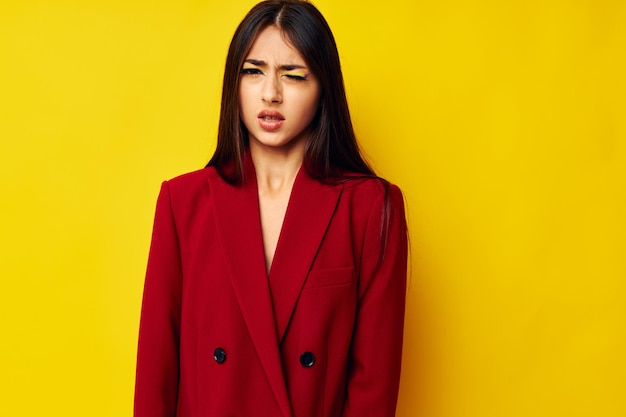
x: 270, y: 118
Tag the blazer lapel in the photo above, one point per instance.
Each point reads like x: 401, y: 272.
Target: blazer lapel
x: 311, y: 207
x: 239, y: 230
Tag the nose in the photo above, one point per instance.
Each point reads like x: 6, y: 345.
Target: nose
x: 272, y: 90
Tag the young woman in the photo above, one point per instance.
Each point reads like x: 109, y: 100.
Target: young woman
x: 276, y: 278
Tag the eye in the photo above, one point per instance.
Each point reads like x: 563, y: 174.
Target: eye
x: 296, y: 77
x: 251, y: 71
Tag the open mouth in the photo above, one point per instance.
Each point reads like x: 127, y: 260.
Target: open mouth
x: 271, y: 116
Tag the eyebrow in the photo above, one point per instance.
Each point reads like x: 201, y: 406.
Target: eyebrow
x: 287, y: 67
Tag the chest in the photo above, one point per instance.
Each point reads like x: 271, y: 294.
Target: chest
x: 272, y: 209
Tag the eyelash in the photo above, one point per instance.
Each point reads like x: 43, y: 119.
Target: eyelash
x: 251, y: 71
x: 296, y: 77
x: 256, y: 71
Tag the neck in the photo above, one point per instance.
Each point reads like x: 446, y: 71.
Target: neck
x: 276, y: 170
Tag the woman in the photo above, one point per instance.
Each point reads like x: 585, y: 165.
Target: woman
x: 276, y: 278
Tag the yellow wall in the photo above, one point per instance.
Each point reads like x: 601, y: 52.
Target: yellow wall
x: 503, y: 121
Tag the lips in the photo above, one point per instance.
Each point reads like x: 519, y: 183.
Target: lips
x: 270, y: 120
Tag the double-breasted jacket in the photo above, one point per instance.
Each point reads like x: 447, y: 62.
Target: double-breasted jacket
x: 319, y: 336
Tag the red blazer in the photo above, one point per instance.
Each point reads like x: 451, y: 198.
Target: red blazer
x: 321, y: 336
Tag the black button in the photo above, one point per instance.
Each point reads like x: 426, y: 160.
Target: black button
x: 219, y: 355
x: 307, y: 359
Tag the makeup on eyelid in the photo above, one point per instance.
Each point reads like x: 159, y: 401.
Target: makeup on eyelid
x: 296, y: 75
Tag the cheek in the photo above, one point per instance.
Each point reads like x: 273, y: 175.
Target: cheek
x: 246, y: 92
x: 309, y: 103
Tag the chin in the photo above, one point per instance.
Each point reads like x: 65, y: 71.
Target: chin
x: 277, y: 143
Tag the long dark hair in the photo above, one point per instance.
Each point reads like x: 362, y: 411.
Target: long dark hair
x: 332, y: 149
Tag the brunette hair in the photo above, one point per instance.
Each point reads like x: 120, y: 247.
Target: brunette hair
x: 332, y: 149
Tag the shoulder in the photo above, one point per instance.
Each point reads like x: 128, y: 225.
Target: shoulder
x: 192, y: 182
x: 189, y: 189
x: 370, y: 189
x: 369, y: 198
x: 192, y: 179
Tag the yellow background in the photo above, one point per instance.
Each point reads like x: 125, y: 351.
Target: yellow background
x: 503, y: 122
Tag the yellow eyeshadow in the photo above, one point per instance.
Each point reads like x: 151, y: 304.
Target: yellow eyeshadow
x: 296, y: 74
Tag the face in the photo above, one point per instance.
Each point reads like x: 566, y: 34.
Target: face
x: 278, y: 94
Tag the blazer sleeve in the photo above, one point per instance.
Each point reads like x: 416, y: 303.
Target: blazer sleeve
x: 157, y: 374
x: 376, y: 351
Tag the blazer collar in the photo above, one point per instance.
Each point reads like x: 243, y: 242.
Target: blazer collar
x: 310, y: 209
x: 267, y: 309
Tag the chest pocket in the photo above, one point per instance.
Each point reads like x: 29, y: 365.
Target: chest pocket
x: 329, y: 277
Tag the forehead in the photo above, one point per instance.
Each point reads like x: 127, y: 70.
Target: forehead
x: 271, y: 44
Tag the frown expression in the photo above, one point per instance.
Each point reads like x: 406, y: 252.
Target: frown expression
x: 278, y: 94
